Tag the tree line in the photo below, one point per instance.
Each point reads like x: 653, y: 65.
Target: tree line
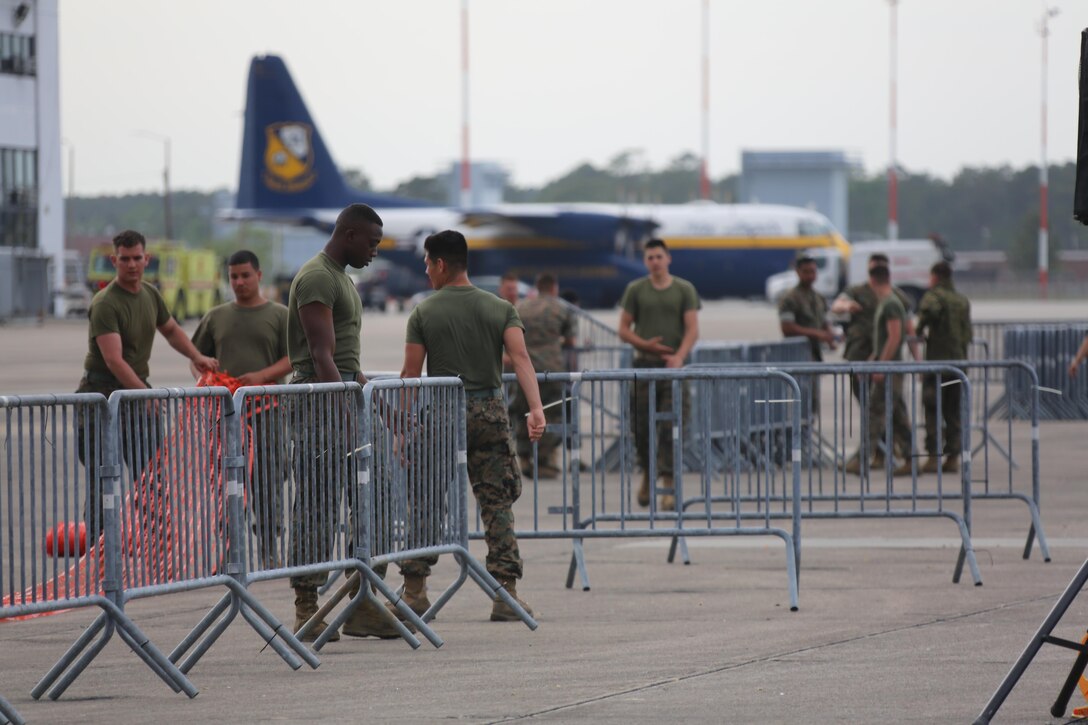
x: 978, y: 208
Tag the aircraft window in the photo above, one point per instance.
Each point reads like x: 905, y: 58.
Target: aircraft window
x: 808, y: 228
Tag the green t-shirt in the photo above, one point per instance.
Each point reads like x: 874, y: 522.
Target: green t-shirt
x: 243, y: 339
x: 322, y: 280
x: 135, y: 317
x: 889, y: 309
x: 461, y: 329
x: 660, y: 313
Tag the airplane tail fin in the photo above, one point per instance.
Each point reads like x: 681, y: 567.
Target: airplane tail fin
x: 285, y: 163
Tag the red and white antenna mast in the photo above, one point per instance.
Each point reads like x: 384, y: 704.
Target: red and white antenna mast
x: 1044, y: 174
x: 893, y: 179
x: 704, y: 178
x: 466, y: 166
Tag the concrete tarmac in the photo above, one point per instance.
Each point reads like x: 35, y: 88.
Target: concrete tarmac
x: 882, y: 633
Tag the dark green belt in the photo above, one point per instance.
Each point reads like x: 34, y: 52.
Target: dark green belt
x: 485, y: 393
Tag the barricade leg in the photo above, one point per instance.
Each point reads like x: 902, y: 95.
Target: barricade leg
x: 1036, y: 529
x: 386, y: 591
x: 364, y: 593
x: 492, y: 587
x: 679, y: 542
x: 73, y: 652
x: 445, y: 596
x: 967, y: 553
x: 8, y: 713
x: 1041, y: 636
x: 198, y: 631
x: 578, y: 564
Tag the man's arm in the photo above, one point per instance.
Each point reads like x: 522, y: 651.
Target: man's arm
x: 317, y: 325
x: 845, y: 305
x: 691, y: 335
x: 912, y: 340
x: 895, y: 334
x: 414, y: 355
x: 269, y: 375
x: 513, y: 340
x: 1082, y: 352
x: 652, y: 346
x: 111, y: 347
x: 178, y: 340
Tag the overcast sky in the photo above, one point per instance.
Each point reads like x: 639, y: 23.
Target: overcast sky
x: 559, y: 82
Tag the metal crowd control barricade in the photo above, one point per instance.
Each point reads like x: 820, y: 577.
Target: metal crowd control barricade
x: 8, y: 713
x: 179, y: 511
x: 597, y: 502
x: 1000, y: 443
x: 415, y: 438
x: 58, y: 480
x: 307, y: 501
x: 1049, y: 349
x: 835, y: 425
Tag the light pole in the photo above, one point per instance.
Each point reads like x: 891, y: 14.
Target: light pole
x: 71, y: 187
x: 168, y: 222
x: 1044, y: 226
x: 466, y: 164
x: 893, y: 179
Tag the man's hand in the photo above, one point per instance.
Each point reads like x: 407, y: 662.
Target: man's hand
x: 205, y: 364
x: 654, y: 346
x: 536, y: 424
x: 1073, y: 366
x: 878, y: 377
x: 250, y: 379
x: 673, y: 361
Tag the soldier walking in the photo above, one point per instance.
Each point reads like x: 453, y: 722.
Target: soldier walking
x: 549, y: 328
x: 944, y: 318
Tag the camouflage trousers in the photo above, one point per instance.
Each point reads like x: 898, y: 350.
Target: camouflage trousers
x: 640, y: 427
x: 549, y: 442
x: 323, y: 434
x: 138, y: 449
x: 266, y: 436
x: 902, y: 434
x: 952, y: 430
x: 496, y: 484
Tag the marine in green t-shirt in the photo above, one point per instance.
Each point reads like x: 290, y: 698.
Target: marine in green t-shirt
x: 249, y: 338
x: 660, y: 319
x: 323, y: 326
x: 123, y: 319
x: 249, y: 335
x: 461, y: 330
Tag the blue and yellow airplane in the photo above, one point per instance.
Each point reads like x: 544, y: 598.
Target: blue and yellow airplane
x: 725, y: 250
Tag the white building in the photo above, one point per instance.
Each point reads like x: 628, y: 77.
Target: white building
x: 31, y: 200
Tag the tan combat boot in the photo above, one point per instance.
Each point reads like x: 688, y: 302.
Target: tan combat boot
x: 370, y: 620
x: 903, y: 469
x: 305, y: 609
x: 853, y: 465
x: 503, y: 612
x: 415, y: 596
x: 668, y: 500
x: 644, y: 490
x: 951, y: 464
x: 932, y: 464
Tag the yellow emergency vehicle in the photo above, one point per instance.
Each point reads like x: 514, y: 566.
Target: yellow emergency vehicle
x: 187, y: 278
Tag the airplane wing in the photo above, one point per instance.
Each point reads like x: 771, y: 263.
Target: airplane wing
x: 596, y: 229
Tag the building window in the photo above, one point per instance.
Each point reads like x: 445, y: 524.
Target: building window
x: 18, y: 198
x: 18, y: 56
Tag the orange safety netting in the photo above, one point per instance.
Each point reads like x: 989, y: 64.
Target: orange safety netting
x: 171, y: 519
